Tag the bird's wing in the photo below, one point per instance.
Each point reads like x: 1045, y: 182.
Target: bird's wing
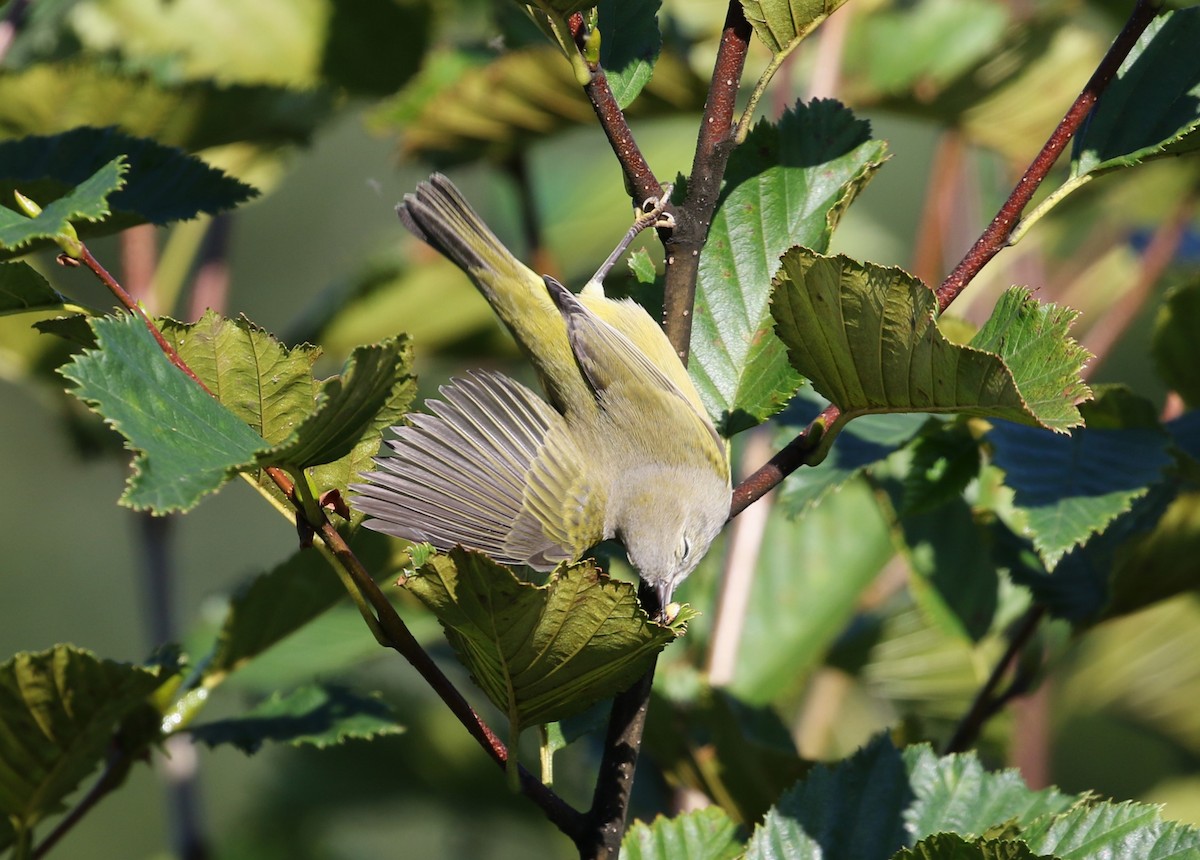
x: 493, y: 469
x: 608, y: 357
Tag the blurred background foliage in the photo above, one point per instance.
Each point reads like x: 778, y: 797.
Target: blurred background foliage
x: 334, y: 109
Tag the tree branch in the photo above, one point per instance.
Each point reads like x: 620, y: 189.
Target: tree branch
x: 993, y: 239
x: 694, y: 216
x: 396, y: 634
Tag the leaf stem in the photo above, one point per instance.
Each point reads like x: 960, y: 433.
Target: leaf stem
x: 997, y: 235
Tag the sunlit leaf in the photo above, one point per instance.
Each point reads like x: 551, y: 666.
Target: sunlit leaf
x: 629, y: 46
x: 706, y: 834
x: 88, y: 201
x: 782, y: 24
x: 787, y: 184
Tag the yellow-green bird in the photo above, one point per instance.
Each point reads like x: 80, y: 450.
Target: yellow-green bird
x: 624, y: 449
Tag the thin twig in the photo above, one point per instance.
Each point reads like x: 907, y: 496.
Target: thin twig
x: 397, y: 634
x: 115, y: 770
x: 987, y: 702
x: 995, y: 237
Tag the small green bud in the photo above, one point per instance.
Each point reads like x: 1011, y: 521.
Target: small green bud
x: 27, y: 206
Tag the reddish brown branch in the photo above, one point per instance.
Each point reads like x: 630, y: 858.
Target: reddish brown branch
x: 396, y: 633
x: 995, y: 237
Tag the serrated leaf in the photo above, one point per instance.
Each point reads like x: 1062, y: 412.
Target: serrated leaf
x: 23, y: 289
x: 629, y: 45
x: 1071, y: 487
x: 867, y: 441
x: 705, y: 834
x: 642, y: 266
x: 787, y: 184
x: 951, y: 846
x: 50, y: 98
x: 866, y: 337
x: 88, y: 201
x: 1152, y: 107
x: 58, y: 711
x: 782, y: 24
x: 1175, y: 347
x: 163, y: 184
x: 1114, y: 831
x: 277, y: 603
x: 347, y: 406
x: 187, y: 443
x: 262, y: 382
x: 540, y: 653
x: 314, y: 715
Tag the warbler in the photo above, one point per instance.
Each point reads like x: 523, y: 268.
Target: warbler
x: 622, y: 449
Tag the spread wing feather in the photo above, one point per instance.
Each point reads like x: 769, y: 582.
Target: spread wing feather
x: 463, y: 475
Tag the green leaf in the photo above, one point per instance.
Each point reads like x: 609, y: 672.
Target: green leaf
x: 782, y: 24
x: 262, y: 382
x: 946, y: 458
x: 1114, y: 831
x: 947, y: 551
x: 277, y: 603
x: 642, y: 266
x: 1152, y: 108
x: 314, y: 715
x: 866, y: 337
x: 706, y: 834
x: 787, y: 184
x: 50, y: 98
x: 188, y: 444
x: 950, y: 846
x: 22, y: 289
x: 87, y: 202
x: 347, y: 407
x: 867, y: 441
x: 844, y: 543
x: 630, y: 43
x: 540, y: 653
x: 163, y: 184
x: 1071, y: 487
x: 463, y: 107
x: 59, y: 710
x: 1175, y: 347
x: 1159, y: 563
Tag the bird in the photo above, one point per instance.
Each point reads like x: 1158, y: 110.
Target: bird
x: 621, y: 447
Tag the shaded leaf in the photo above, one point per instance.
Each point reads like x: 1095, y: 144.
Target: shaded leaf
x: 1152, y: 107
x: 706, y: 834
x: 1071, y: 487
x: 866, y: 337
x: 23, y: 289
x: 1175, y: 346
x: 540, y: 653
x: 86, y: 202
x: 277, y: 603
x: 187, y: 443
x: 1160, y: 563
x: 320, y: 716
x: 346, y: 407
x: 629, y: 46
x: 463, y: 106
x: 946, y: 458
x: 787, y: 184
x: 162, y: 184
x: 59, y: 710
x: 782, y: 24
x: 950, y: 846
x: 52, y: 97
x: 870, y: 440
